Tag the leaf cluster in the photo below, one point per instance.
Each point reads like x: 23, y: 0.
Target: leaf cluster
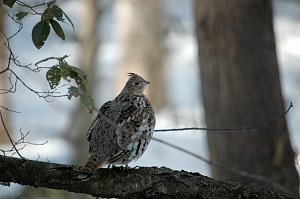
x: 50, y: 18
x: 64, y: 71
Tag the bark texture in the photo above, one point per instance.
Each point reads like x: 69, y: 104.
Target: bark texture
x: 132, y: 183
x: 241, y: 87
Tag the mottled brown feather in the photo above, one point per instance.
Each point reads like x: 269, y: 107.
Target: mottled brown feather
x: 123, y: 127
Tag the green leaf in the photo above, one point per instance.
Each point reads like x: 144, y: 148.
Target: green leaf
x: 47, y: 14
x: 9, y: 3
x: 58, y: 13
x: 53, y: 11
x: 53, y: 77
x: 20, y: 15
x: 40, y: 33
x: 85, y: 99
x: 65, y: 70
x: 79, y: 76
x: 68, y: 19
x: 70, y: 72
x: 88, y: 102
x: 57, y: 29
x: 73, y: 91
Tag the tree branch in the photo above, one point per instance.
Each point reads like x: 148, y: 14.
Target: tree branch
x: 144, y: 182
x: 231, y: 129
x: 10, y: 139
x: 258, y: 178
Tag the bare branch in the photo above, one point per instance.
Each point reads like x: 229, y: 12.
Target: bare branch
x: 32, y: 8
x: 20, y: 27
x: 252, y: 176
x: 22, y: 139
x: 13, y: 86
x: 10, y: 139
x: 20, y: 144
x: 50, y: 58
x: 42, y: 94
x: 8, y: 109
x: 47, y: 95
x: 229, y: 129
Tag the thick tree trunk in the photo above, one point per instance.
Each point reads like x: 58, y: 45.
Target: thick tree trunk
x: 140, y: 35
x: 241, y: 87
x: 131, y: 183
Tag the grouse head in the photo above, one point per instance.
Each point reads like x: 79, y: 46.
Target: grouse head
x: 135, y: 84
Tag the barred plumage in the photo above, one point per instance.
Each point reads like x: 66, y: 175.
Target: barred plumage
x: 123, y: 127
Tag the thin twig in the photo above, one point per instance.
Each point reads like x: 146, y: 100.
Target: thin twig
x: 232, y: 170
x: 10, y: 139
x: 13, y: 86
x: 22, y: 139
x: 7, y: 109
x: 229, y: 129
x: 21, y: 144
x: 47, y: 95
x: 21, y: 3
x: 42, y: 94
x: 49, y: 58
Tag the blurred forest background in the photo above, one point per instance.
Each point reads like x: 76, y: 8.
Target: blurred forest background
x: 159, y: 40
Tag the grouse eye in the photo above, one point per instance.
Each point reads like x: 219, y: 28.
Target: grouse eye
x: 137, y: 83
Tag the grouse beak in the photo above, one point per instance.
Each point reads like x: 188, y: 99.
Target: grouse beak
x: 147, y: 82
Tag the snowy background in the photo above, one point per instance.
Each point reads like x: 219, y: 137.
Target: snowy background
x: 48, y: 121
